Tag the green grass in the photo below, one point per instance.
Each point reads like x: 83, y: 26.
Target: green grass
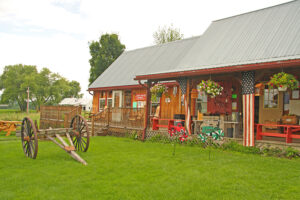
x: 18, y: 116
x: 15, y: 115
x: 120, y: 168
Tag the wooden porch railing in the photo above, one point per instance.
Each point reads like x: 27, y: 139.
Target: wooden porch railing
x: 119, y: 117
x: 289, y: 131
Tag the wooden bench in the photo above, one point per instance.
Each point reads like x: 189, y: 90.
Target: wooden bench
x: 288, y: 131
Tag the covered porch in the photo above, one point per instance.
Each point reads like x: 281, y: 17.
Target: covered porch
x: 267, y: 115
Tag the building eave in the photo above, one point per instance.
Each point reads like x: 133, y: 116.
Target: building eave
x: 219, y: 70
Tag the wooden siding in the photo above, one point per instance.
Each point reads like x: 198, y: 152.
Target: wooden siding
x: 96, y: 101
x: 168, y: 109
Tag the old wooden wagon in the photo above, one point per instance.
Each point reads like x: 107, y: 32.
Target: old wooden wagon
x: 77, y: 134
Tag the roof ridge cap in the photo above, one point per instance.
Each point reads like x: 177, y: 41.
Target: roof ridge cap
x: 254, y: 11
x: 164, y: 44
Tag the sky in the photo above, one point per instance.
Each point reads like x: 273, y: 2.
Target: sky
x: 56, y: 33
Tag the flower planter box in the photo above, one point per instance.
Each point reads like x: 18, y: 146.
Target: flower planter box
x: 289, y: 119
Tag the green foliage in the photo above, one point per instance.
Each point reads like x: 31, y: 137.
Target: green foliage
x: 283, y: 79
x: 104, y: 52
x: 164, y: 35
x: 45, y: 87
x: 132, y: 135
x: 157, y: 90
x: 160, y: 138
x: 210, y: 88
x: 291, y: 153
x: 121, y: 168
x: 234, y: 146
x: 277, y: 152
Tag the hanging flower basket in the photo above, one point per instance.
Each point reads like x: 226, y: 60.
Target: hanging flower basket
x: 283, y: 81
x: 211, y: 88
x: 282, y: 88
x: 157, y: 90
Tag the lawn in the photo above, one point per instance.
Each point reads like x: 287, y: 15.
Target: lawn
x: 121, y: 168
x: 16, y: 115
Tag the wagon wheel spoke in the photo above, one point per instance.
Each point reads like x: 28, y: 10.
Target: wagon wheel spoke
x: 26, y: 148
x: 81, y: 135
x: 82, y: 147
x: 31, y: 150
x: 29, y: 138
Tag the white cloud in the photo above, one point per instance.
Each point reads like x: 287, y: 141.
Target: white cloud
x: 58, y: 31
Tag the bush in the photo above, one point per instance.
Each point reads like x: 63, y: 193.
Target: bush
x: 132, y: 135
x: 272, y: 152
x: 231, y: 146
x: 160, y: 138
x: 234, y: 146
x: 291, y: 153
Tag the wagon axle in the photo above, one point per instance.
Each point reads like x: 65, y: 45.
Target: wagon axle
x: 77, y: 135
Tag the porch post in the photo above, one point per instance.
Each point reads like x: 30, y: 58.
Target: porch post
x: 248, y: 80
x: 184, y: 86
x: 147, y: 109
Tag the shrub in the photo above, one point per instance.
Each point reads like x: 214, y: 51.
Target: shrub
x: 160, y: 138
x: 234, y: 146
x: 291, y: 153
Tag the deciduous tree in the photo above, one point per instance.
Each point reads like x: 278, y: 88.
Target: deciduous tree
x: 104, y: 52
x: 45, y: 87
x: 167, y: 34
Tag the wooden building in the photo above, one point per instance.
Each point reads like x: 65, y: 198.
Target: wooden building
x: 239, y: 52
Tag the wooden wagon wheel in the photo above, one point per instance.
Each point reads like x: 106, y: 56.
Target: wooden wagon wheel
x: 29, y: 138
x: 80, y: 133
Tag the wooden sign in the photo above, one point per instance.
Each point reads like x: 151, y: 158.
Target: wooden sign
x: 194, y: 94
x: 140, y: 97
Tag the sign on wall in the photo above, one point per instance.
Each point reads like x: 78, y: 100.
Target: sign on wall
x: 140, y: 97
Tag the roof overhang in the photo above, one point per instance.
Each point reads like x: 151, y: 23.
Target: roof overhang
x: 219, y: 70
x: 122, y: 87
x: 128, y: 87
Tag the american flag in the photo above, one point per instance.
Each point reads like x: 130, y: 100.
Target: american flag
x: 248, y: 81
x: 183, y: 86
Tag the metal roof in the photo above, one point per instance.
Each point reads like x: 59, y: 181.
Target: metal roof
x: 266, y: 35
x: 145, y: 60
x: 76, y: 101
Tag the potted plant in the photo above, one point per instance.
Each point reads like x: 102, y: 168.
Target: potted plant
x: 157, y: 90
x: 283, y: 81
x: 210, y: 87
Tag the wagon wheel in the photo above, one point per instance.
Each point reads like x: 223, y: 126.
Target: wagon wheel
x: 80, y: 133
x: 29, y: 138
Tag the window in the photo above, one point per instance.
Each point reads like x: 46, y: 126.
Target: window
x: 128, y: 99
x: 117, y: 99
x: 109, y: 102
x: 101, y: 104
x: 201, y: 103
x: 270, y: 98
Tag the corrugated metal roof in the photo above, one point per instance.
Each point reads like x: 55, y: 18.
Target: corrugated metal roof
x: 266, y: 35
x: 146, y: 60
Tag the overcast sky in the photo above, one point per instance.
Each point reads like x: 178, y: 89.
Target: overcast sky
x: 55, y: 33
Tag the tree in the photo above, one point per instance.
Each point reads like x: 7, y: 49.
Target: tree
x: 164, y: 35
x: 45, y: 87
x: 104, y: 52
